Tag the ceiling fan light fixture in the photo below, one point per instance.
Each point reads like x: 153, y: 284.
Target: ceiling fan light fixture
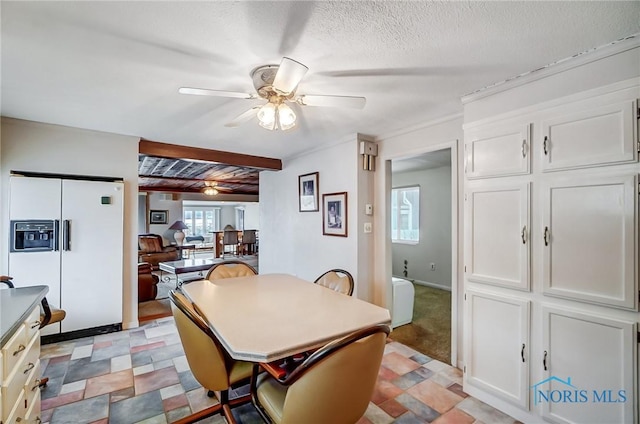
x: 210, y: 191
x: 289, y: 75
x: 286, y: 117
x: 267, y: 116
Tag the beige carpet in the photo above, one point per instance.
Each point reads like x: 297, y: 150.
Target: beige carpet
x: 430, y: 330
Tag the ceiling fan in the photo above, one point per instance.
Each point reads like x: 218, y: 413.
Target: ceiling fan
x: 211, y: 188
x: 277, y: 84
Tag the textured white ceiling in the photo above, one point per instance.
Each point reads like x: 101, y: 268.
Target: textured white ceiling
x: 117, y: 66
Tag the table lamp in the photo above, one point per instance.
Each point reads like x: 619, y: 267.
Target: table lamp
x: 178, y: 235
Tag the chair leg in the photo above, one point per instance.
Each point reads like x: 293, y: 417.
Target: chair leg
x: 43, y: 382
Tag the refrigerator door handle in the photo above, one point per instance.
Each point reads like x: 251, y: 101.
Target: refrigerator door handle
x: 56, y: 235
x: 66, y: 242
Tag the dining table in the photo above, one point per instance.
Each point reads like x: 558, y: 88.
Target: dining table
x: 268, y: 317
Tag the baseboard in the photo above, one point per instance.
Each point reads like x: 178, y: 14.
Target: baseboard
x: 434, y: 285
x: 78, y: 334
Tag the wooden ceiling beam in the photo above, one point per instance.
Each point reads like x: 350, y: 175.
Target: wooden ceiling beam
x: 198, y: 180
x: 188, y: 190
x: 174, y: 151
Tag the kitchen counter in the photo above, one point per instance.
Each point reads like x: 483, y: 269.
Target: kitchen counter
x: 15, y: 306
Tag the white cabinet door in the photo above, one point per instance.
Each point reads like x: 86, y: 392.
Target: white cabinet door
x: 497, y: 150
x: 596, y: 136
x: 588, y: 364
x: 497, y: 234
x: 589, y: 236
x: 497, y: 346
x: 92, y: 263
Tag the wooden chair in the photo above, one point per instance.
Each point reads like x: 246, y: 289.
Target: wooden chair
x: 338, y: 280
x: 333, y: 385
x: 249, y: 241
x: 211, y: 366
x: 230, y: 269
x: 230, y: 238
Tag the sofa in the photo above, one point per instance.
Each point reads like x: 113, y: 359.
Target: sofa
x: 147, y: 283
x: 152, y: 251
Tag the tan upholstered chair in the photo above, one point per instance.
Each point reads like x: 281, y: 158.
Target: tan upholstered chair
x: 210, y: 364
x: 338, y: 280
x: 230, y: 269
x: 333, y: 385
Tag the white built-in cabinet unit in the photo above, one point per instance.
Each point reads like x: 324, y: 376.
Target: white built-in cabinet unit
x: 551, y: 259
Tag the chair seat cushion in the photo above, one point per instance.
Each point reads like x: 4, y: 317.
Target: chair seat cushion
x: 271, y: 396
x: 240, y: 370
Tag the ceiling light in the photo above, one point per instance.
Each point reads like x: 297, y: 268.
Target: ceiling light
x: 210, y: 191
x: 273, y: 116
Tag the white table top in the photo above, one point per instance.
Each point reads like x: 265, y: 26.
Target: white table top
x: 267, y: 317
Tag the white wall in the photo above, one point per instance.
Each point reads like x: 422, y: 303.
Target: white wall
x: 174, y: 213
x: 252, y: 216
x: 292, y: 241
x: 38, y: 147
x: 429, y: 137
x: 434, y: 245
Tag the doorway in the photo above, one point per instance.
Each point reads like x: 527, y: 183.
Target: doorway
x: 422, y: 235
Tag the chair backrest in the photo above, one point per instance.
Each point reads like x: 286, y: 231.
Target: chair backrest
x: 205, y: 356
x: 335, y: 383
x: 230, y: 237
x: 338, y: 280
x: 230, y: 269
x: 248, y: 236
x: 150, y: 243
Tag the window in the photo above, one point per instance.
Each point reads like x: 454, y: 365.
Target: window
x: 201, y: 220
x: 405, y: 213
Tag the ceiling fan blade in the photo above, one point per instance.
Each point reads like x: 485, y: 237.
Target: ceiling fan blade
x: 289, y: 75
x: 332, y: 101
x: 243, y: 117
x: 218, y: 93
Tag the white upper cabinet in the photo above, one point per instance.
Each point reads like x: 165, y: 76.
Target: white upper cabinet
x: 589, y: 236
x: 497, y: 234
x: 590, y: 137
x: 588, y: 368
x: 497, y: 150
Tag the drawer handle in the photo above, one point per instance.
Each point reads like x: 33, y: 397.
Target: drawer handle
x: 29, y: 367
x: 524, y: 148
x: 36, y: 385
x: 20, y: 349
x: 35, y: 324
x: 38, y: 420
x: 523, y: 234
x: 545, y: 145
x: 544, y: 360
x: 522, y: 352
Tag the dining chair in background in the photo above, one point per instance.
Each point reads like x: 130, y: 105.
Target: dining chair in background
x: 333, y: 385
x: 230, y: 238
x: 211, y: 366
x: 249, y: 241
x: 230, y: 269
x: 338, y: 280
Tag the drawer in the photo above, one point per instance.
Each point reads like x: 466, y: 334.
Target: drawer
x: 33, y: 411
x: 13, y: 351
x: 14, y: 384
x: 16, y: 412
x: 32, y: 323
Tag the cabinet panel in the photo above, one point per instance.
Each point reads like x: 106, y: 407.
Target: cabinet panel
x: 497, y: 150
x: 497, y: 235
x: 497, y: 358
x: 593, y: 359
x: 589, y: 239
x: 590, y: 137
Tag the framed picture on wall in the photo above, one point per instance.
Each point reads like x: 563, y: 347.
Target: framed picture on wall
x: 158, y: 217
x: 334, y: 214
x: 308, y: 192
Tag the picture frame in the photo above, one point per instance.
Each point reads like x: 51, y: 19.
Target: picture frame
x: 158, y: 217
x: 308, y: 196
x: 334, y: 214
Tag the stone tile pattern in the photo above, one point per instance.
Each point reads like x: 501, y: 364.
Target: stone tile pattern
x: 142, y: 376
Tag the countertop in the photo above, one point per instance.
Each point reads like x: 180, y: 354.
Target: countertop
x: 15, y: 306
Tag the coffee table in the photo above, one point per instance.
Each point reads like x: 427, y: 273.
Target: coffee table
x: 185, y: 266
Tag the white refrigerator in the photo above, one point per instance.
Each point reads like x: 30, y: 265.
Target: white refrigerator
x: 85, y: 273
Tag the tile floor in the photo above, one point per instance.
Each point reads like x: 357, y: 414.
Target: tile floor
x: 142, y: 376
